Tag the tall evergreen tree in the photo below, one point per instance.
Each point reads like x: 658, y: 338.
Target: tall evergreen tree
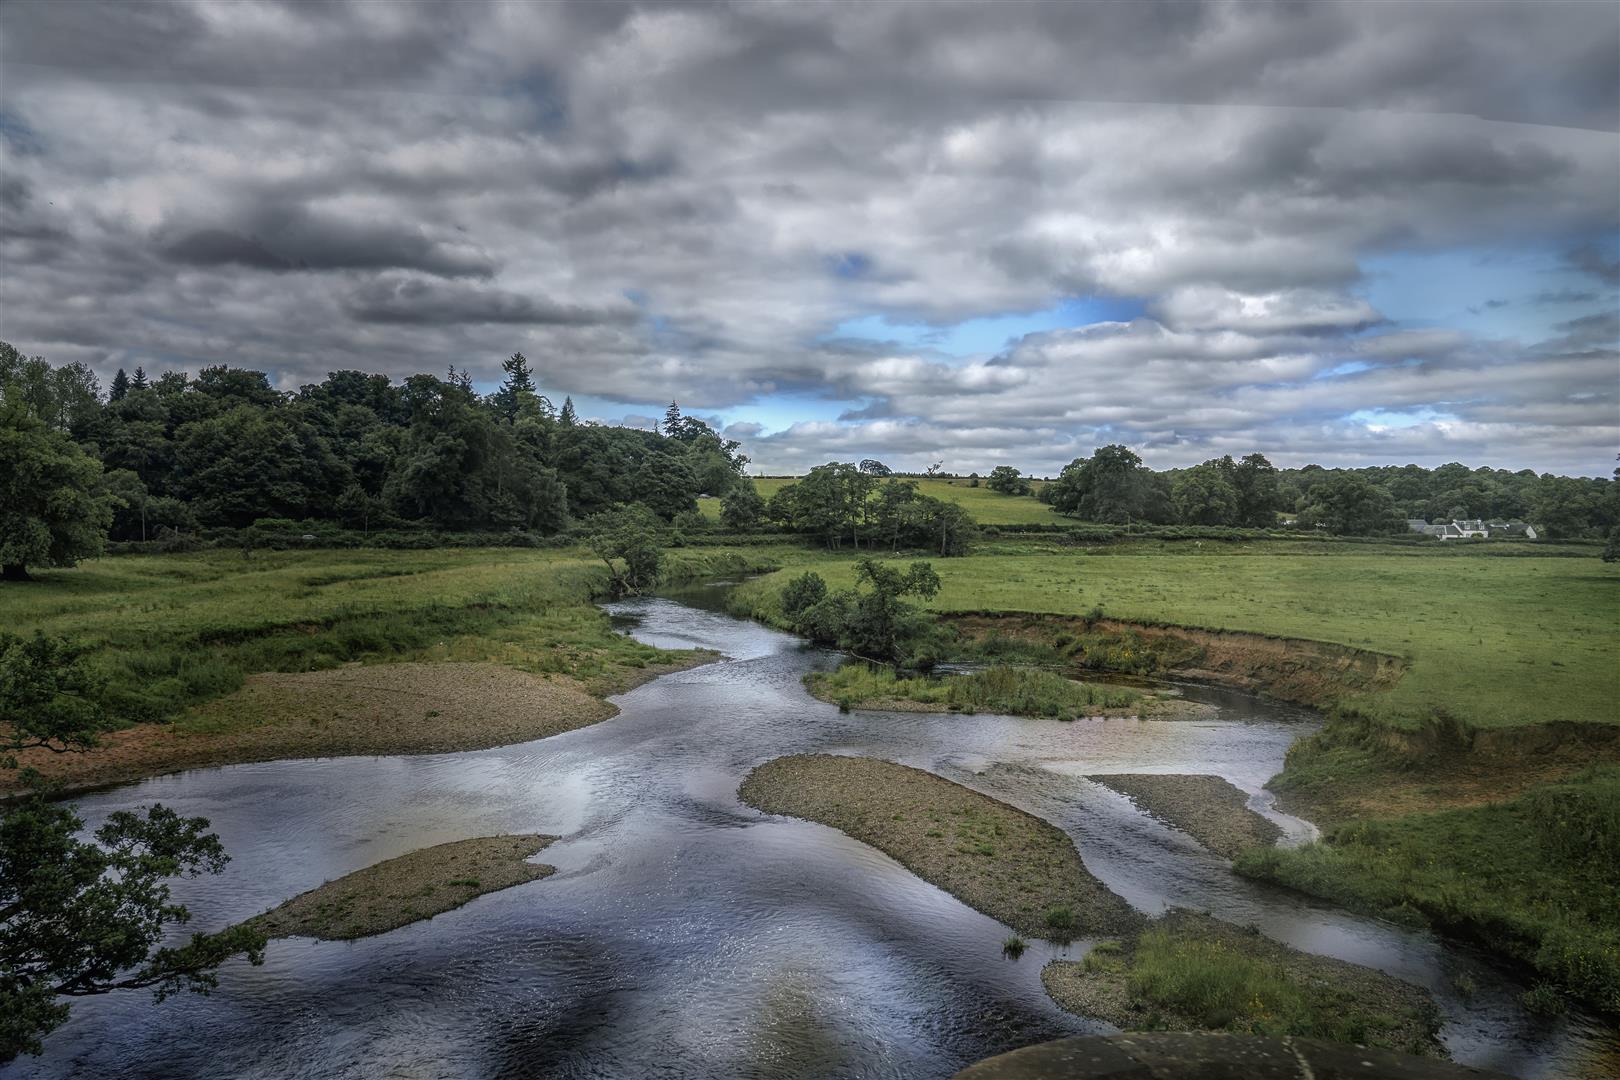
x: 518, y: 387
x: 672, y: 419
x: 120, y: 386
x: 139, y: 382
x: 568, y: 417
x: 518, y: 377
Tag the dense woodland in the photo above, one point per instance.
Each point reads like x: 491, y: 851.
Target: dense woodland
x: 225, y: 449
x: 156, y: 459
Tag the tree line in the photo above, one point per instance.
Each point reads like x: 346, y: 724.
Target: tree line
x: 224, y: 449
x: 1112, y: 486
x: 864, y: 505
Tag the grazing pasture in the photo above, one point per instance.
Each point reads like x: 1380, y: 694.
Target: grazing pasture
x: 1493, y: 641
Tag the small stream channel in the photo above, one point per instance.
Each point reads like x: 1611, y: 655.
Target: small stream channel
x: 686, y: 935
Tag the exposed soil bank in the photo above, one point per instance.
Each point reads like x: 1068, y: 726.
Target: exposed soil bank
x: 406, y: 708
x: 1286, y: 992
x: 1207, y: 808
x: 1314, y: 673
x: 408, y: 889
x: 1148, y: 707
x: 993, y: 857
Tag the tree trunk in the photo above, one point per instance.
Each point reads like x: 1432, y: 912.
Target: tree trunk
x: 14, y: 572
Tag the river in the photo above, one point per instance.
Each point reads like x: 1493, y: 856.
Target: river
x: 687, y: 935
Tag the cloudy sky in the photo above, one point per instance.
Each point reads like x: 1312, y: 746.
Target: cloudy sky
x: 979, y: 234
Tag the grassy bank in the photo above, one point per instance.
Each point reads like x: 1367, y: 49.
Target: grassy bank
x: 1012, y: 691
x: 408, y: 889
x: 1496, y: 641
x: 1207, y: 808
x: 176, y: 635
x: 1537, y: 877
x: 993, y: 857
x: 1189, y: 972
x: 175, y: 630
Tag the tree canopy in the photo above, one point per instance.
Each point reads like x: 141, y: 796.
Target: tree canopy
x: 54, y: 506
x: 81, y: 916
x: 225, y: 449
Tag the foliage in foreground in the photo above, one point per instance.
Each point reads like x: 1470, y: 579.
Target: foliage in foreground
x: 1015, y: 691
x: 81, y: 917
x: 1537, y: 878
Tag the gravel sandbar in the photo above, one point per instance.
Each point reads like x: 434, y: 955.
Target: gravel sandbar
x: 408, y: 889
x: 993, y: 857
x: 1208, y: 808
x: 362, y: 709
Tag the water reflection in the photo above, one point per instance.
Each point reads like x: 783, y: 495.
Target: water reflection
x: 685, y: 935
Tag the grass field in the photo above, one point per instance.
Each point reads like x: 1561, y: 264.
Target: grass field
x: 1493, y: 641
x: 172, y: 631
x: 985, y: 506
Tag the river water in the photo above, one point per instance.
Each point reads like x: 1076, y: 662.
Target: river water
x: 687, y: 935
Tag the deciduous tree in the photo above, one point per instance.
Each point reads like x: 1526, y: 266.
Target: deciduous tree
x: 54, y: 509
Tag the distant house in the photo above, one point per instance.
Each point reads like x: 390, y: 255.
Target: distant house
x: 1464, y: 530
x: 1513, y: 530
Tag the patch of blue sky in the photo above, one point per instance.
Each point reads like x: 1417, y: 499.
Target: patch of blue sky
x: 989, y: 334
x: 780, y: 411
x: 1349, y: 367
x: 1397, y: 418
x: 774, y: 412
x: 1518, y: 293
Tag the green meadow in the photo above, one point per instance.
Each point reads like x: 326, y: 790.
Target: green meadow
x: 1492, y: 640
x: 172, y: 631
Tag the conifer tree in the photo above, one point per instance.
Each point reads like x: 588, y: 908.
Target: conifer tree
x: 120, y: 386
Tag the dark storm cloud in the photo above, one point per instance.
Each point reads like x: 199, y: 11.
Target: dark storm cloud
x: 294, y: 239
x: 414, y: 300
x: 307, y: 186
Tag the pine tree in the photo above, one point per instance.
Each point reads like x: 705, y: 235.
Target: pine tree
x: 518, y: 382
x: 120, y: 386
x: 569, y: 417
x: 518, y: 379
x: 139, y: 382
x: 672, y: 419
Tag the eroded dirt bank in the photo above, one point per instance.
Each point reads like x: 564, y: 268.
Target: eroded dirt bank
x: 1314, y: 673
